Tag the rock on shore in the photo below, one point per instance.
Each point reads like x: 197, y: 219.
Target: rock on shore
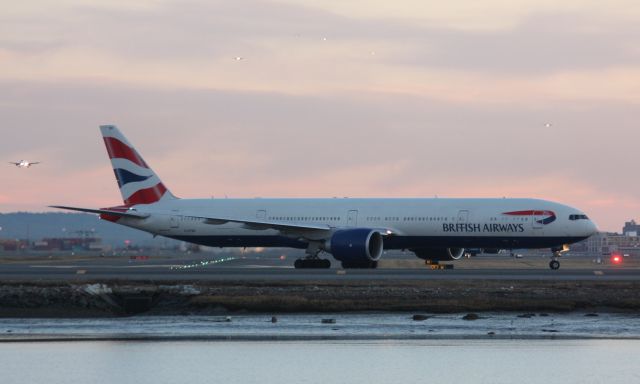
x: 117, y: 298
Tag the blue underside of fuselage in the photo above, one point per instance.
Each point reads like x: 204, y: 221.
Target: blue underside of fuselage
x: 392, y: 242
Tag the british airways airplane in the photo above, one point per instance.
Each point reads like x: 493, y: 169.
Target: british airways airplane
x: 354, y: 231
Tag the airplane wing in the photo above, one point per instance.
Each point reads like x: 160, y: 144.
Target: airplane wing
x: 264, y: 224
x: 131, y: 214
x: 35, y: 162
x: 11, y: 162
x: 279, y: 225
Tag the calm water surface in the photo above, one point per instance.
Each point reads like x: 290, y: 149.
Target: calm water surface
x: 430, y: 361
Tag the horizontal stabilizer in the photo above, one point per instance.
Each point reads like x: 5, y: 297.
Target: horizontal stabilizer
x: 131, y: 214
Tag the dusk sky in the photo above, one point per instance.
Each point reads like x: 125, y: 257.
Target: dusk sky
x: 525, y: 98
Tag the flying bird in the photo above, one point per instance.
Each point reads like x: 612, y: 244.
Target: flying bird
x: 24, y: 163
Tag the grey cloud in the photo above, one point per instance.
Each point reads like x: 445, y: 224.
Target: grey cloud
x: 541, y: 43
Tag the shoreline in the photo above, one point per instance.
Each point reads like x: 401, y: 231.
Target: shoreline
x: 297, y: 338
x: 113, y: 298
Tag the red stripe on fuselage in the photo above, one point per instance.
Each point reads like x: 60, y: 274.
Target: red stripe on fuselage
x: 147, y: 195
x: 119, y: 150
x: 530, y: 213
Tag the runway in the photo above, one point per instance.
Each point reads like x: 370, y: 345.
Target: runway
x: 172, y: 285
x: 164, y: 272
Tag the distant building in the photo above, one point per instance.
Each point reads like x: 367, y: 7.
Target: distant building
x: 13, y: 245
x: 55, y: 244
x: 68, y: 244
x: 605, y: 243
x: 631, y: 228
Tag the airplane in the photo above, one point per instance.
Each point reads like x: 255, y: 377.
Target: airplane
x: 355, y: 231
x: 24, y: 163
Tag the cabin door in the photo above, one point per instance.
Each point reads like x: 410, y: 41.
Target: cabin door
x: 174, y: 220
x: 352, y: 218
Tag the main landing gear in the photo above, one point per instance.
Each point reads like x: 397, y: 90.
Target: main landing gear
x: 311, y: 259
x: 312, y: 263
x: 360, y: 264
x: 554, y: 264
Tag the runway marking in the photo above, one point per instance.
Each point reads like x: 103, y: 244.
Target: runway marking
x: 598, y: 273
x: 81, y: 271
x: 341, y: 272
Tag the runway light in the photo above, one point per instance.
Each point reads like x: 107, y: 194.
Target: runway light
x: 616, y: 259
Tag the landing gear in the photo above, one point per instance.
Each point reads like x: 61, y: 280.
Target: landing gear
x: 311, y: 260
x: 312, y: 263
x: 554, y: 264
x: 360, y: 264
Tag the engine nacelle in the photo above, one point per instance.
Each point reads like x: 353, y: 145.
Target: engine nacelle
x: 356, y: 245
x: 439, y: 254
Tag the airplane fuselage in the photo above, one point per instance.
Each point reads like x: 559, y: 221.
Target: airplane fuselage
x: 415, y: 223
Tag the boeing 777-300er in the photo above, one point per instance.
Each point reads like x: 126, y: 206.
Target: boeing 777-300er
x: 354, y: 231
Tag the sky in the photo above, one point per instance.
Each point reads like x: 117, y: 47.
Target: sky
x: 323, y: 98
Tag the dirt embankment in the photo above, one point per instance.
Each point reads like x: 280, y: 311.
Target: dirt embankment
x: 119, y: 298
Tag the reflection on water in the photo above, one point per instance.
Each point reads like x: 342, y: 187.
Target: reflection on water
x: 434, y: 361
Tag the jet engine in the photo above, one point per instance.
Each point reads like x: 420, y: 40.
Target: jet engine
x: 439, y: 254
x: 356, y: 248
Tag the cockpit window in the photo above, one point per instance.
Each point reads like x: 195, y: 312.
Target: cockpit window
x: 578, y: 217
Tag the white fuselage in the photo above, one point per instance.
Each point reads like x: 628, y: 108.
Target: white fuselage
x: 415, y: 223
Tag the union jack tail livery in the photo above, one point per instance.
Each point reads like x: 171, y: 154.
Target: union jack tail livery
x: 138, y: 183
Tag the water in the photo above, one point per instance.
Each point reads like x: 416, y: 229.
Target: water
x: 425, y: 361
x: 298, y: 348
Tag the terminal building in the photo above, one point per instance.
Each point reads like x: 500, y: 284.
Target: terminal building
x: 606, y: 243
x: 54, y: 244
x: 631, y: 228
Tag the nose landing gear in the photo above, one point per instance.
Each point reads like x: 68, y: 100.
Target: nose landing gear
x: 554, y: 264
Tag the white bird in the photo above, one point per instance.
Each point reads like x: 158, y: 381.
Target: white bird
x: 24, y: 163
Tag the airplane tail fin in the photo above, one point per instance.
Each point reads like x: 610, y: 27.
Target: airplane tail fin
x: 138, y: 183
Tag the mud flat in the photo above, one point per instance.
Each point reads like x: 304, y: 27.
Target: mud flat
x: 117, y: 298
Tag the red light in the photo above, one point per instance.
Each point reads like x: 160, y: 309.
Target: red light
x: 616, y: 259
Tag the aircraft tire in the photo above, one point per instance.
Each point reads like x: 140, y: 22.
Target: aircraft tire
x: 359, y: 264
x: 312, y: 264
x: 554, y: 264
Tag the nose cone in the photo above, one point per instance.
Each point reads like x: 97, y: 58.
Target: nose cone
x: 592, y: 228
